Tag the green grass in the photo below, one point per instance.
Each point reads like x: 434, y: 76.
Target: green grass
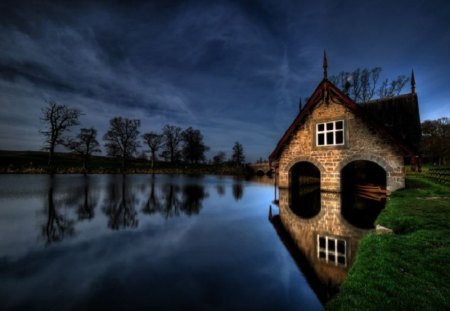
x: 410, y: 269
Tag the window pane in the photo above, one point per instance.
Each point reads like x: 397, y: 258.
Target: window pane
x: 339, y: 137
x: 341, y: 260
x: 341, y: 247
x: 320, y: 127
x: 321, y: 139
x: 331, y: 244
x: 330, y: 138
x: 321, y: 254
x: 330, y: 126
x: 331, y: 257
x: 321, y: 242
x: 339, y: 125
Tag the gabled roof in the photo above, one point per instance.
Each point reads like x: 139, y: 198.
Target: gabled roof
x: 400, y: 115
x: 325, y: 90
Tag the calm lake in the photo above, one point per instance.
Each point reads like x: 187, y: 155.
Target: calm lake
x: 162, y: 242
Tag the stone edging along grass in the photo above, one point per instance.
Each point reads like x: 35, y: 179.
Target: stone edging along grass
x: 409, y: 269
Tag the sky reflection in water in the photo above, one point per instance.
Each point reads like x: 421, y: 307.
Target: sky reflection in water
x: 166, y: 242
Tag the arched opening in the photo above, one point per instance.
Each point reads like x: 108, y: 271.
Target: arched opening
x: 363, y: 185
x: 304, y: 189
x: 260, y: 173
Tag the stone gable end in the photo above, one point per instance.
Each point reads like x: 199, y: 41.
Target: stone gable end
x: 360, y: 143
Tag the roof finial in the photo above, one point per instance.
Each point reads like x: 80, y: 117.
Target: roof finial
x: 413, y: 83
x: 325, y: 65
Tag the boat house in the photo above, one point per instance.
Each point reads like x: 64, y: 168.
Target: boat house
x: 334, y: 140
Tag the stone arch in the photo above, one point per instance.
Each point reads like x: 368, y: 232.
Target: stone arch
x: 260, y: 172
x: 311, y: 160
x: 366, y: 157
x: 304, y: 188
x: 394, y: 176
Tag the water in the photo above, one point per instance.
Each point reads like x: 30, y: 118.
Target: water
x: 144, y: 242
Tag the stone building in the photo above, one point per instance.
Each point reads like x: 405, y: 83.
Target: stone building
x: 333, y: 136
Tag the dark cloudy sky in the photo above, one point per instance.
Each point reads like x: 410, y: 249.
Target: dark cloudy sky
x: 233, y: 69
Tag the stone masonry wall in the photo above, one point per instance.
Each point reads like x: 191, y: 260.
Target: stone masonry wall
x: 361, y: 143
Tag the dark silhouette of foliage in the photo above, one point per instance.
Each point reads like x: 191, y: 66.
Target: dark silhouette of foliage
x: 58, y: 119
x: 219, y: 158
x: 238, y: 157
x: 85, y: 144
x: 122, y: 139
x: 171, y: 142
x: 193, y: 146
x: 153, y: 141
x: 436, y: 140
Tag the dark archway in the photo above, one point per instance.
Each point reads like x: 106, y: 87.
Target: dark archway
x: 363, y: 186
x: 304, y: 189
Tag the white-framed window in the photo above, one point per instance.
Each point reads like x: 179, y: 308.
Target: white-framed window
x: 332, y: 250
x: 330, y: 133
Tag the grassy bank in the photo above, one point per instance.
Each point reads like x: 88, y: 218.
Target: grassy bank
x: 410, y: 269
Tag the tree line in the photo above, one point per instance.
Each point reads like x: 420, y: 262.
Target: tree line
x: 123, y: 140
x: 436, y: 141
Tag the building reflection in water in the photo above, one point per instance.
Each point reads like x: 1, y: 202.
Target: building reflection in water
x: 318, y: 236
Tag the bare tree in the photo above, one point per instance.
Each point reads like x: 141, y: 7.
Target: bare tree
x: 360, y: 84
x: 393, y: 88
x: 121, y: 138
x: 58, y: 119
x: 193, y: 146
x: 85, y: 144
x: 153, y: 141
x: 171, y: 141
x: 238, y: 156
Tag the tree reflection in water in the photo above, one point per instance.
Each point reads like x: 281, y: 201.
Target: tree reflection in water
x: 193, y: 195
x: 85, y: 208
x: 238, y: 191
x: 153, y: 204
x: 58, y: 226
x: 119, y: 206
x: 220, y: 190
x: 176, y: 200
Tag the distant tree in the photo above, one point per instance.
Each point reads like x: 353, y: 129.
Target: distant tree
x: 85, y: 144
x: 362, y: 84
x: 193, y: 146
x: 436, y: 140
x: 58, y: 119
x: 153, y: 141
x: 238, y: 157
x: 219, y: 158
x: 122, y: 138
x: 171, y: 143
